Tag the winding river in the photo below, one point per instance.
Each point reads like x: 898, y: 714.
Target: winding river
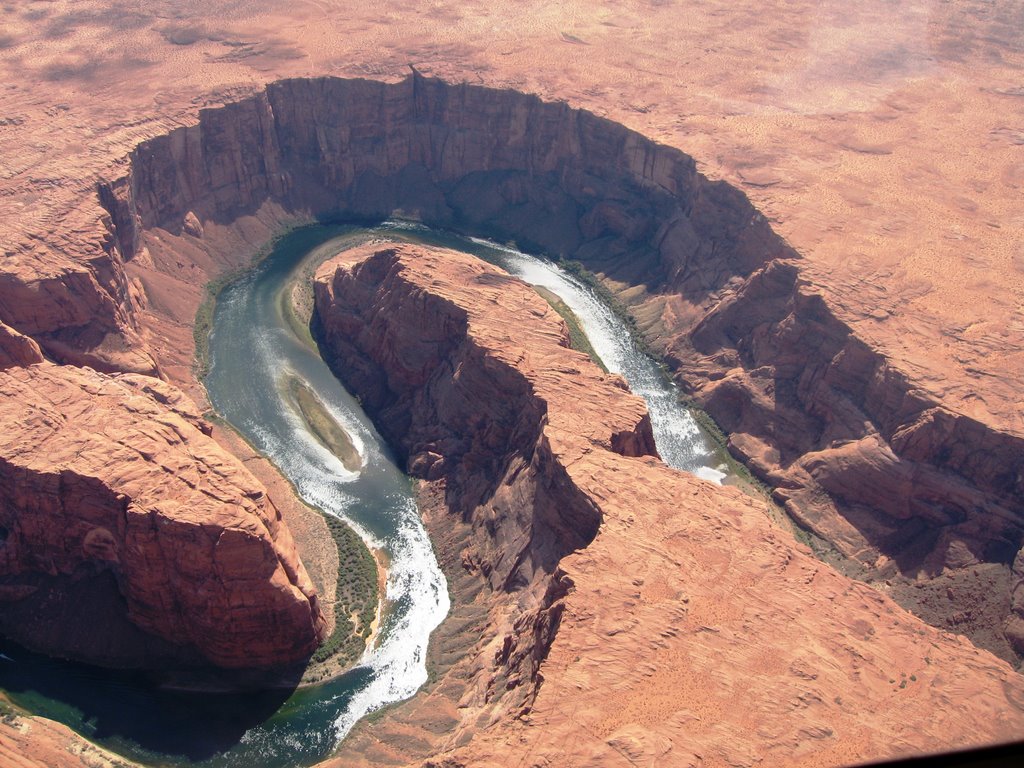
x: 254, y: 352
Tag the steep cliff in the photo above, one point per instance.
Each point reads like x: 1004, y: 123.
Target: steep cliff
x: 116, y: 509
x: 467, y: 400
x: 861, y: 448
x: 880, y: 461
x: 861, y: 454
x: 689, y: 628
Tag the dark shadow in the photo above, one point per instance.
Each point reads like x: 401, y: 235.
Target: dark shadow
x: 983, y: 757
x: 109, y: 704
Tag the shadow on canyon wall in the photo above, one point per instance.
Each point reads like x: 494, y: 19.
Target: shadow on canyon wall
x: 854, y: 450
x: 847, y: 441
x: 136, y: 711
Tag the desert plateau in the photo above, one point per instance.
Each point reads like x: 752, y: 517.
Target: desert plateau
x: 546, y: 384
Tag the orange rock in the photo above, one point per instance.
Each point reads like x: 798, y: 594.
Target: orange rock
x: 114, y: 476
x: 34, y: 742
x: 684, y: 627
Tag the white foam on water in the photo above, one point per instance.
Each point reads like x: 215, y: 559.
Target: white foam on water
x: 676, y: 434
x: 399, y: 658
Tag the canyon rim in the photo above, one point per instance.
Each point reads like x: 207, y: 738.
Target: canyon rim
x: 855, y: 327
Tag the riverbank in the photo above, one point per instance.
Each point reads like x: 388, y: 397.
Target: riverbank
x: 351, y: 576
x: 325, y: 543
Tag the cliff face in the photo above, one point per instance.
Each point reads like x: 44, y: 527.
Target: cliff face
x: 917, y: 490
x: 462, y: 407
x: 467, y: 400
x: 688, y: 628
x: 875, y: 464
x: 117, y: 509
x: 862, y: 451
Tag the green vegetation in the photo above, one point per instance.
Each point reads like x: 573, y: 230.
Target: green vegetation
x: 323, y: 425
x: 747, y: 482
x: 204, y: 320
x: 355, y: 600
x: 577, y: 338
x: 721, y: 440
x: 9, y: 713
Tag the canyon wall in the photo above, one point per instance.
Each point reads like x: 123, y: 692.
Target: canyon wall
x: 128, y: 538
x: 924, y: 497
x: 467, y: 403
x: 861, y: 453
x: 690, y: 630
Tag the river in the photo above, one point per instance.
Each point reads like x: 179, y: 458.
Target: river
x: 253, y: 350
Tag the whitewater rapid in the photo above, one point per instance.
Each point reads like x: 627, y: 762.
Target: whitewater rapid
x: 254, y: 353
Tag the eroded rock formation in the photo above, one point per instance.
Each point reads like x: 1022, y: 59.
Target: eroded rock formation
x: 688, y: 617
x: 861, y: 448
x: 858, y: 452
x: 914, y: 488
x: 466, y: 399
x: 129, y: 538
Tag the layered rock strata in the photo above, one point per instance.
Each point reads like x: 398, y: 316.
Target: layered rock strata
x: 690, y: 630
x: 129, y: 538
x: 115, y: 287
x: 466, y: 398
x: 920, y: 493
x: 901, y: 471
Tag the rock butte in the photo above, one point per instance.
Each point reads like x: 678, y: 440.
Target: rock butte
x: 841, y: 129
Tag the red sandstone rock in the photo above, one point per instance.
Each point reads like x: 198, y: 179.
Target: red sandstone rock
x: 726, y: 300
x: 114, y: 475
x: 34, y: 742
x: 690, y: 629
x: 465, y: 396
x: 768, y: 354
x: 857, y: 451
x: 908, y: 218
x: 17, y: 349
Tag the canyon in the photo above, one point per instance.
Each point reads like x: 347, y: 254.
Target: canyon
x: 118, y: 508
x: 665, y: 658
x: 875, y: 394
x: 914, y: 490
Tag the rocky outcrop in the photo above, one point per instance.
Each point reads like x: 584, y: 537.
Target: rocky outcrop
x: 117, y: 509
x: 75, y: 300
x: 17, y: 349
x: 33, y: 742
x: 494, y: 162
x: 687, y: 617
x: 921, y: 495
x: 467, y: 401
x: 860, y: 451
